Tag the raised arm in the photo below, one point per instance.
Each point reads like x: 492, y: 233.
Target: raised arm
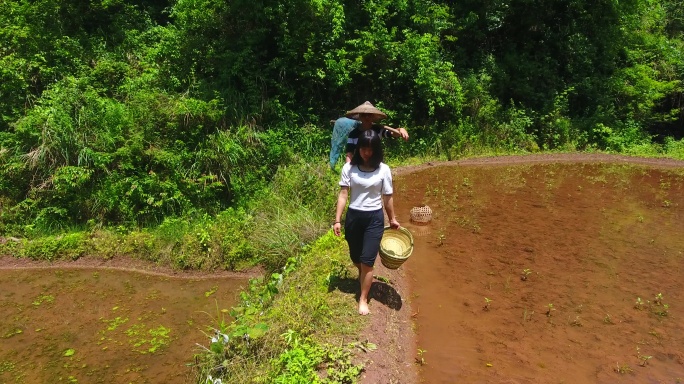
x: 398, y: 132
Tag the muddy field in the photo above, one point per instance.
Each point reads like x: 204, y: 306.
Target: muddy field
x: 83, y: 325
x: 539, y: 272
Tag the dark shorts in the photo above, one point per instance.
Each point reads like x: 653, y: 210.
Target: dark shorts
x: 363, y: 232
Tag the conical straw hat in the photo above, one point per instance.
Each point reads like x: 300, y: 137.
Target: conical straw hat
x: 366, y: 108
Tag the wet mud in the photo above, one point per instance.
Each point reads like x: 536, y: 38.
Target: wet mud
x: 106, y: 326
x: 547, y: 273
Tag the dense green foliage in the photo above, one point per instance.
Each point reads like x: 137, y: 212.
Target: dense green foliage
x: 123, y: 113
x: 273, y: 227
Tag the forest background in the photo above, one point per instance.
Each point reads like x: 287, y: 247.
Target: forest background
x: 173, y: 130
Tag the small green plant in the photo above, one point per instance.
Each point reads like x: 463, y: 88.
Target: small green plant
x: 662, y: 311
x: 658, y: 300
x: 643, y: 359
x: 298, y: 363
x: 383, y: 279
x: 487, y: 301
x: 43, y: 298
x: 337, y: 272
x: 549, y: 309
x: 211, y: 291
x: 608, y: 319
x: 12, y: 333
x: 622, y: 368
x: 526, y: 272
x: 639, y: 304
x: 420, y: 359
x: 146, y: 340
x: 441, y: 239
x: 664, y: 184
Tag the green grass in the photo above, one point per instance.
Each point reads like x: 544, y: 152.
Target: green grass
x: 289, y: 324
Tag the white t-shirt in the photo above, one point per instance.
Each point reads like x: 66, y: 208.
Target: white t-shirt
x: 366, y: 188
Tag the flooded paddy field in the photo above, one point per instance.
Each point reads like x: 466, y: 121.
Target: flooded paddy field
x: 106, y: 326
x: 547, y: 273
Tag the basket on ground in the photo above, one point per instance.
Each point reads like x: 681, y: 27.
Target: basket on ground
x: 421, y: 215
x: 395, y: 247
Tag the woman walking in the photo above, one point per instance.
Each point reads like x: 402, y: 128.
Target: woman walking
x: 367, y: 182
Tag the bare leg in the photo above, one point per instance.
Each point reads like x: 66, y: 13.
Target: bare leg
x: 358, y: 267
x: 366, y: 279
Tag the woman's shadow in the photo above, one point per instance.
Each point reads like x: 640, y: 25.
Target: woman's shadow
x: 380, y: 291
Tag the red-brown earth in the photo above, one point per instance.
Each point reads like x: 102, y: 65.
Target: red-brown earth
x: 536, y: 269
x: 116, y: 321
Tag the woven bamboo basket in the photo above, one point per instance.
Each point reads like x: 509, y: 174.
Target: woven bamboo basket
x: 395, y: 247
x: 421, y: 215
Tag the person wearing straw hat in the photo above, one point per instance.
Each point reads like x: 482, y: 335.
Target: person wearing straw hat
x: 347, y: 129
x: 367, y: 182
x: 369, y: 115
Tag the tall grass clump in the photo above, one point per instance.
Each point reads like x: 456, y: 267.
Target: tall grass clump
x: 293, y: 212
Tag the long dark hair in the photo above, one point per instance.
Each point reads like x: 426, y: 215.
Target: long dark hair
x: 369, y: 139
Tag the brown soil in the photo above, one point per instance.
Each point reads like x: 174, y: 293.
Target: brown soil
x: 393, y: 329
x: 121, y: 326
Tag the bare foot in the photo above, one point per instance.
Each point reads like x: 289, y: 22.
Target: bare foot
x: 363, y: 308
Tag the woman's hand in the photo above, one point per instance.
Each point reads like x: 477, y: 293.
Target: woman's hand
x: 394, y: 223
x: 337, y: 229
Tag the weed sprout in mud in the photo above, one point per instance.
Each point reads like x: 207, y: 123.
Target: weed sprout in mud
x: 639, y: 303
x: 549, y: 309
x: 420, y: 359
x: 486, y: 306
x: 525, y: 273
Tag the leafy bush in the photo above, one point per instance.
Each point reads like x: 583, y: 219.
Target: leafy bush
x: 674, y: 148
x: 68, y: 246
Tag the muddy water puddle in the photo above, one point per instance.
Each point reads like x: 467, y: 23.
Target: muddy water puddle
x: 548, y: 273
x: 105, y: 326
